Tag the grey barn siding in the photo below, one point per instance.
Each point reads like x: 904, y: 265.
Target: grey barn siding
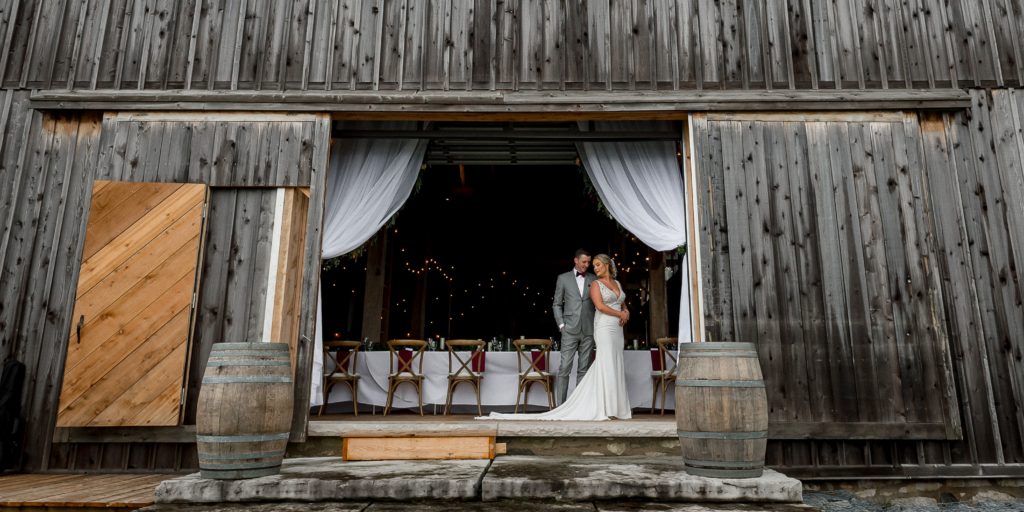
x: 965, y: 189
x: 823, y: 260
x: 49, y: 162
x: 786, y: 205
x: 510, y: 44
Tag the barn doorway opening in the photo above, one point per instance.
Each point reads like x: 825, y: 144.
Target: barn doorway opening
x: 497, y: 214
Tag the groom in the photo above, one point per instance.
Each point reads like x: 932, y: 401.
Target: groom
x: 574, y: 314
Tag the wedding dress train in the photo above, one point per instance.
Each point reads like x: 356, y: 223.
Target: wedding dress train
x: 601, y: 394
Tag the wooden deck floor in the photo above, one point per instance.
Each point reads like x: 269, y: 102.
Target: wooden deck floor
x: 412, y: 417
x: 85, y: 491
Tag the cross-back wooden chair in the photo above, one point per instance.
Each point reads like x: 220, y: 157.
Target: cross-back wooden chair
x: 408, y: 369
x: 460, y: 369
x: 666, y: 375
x: 536, y: 369
x: 346, y: 358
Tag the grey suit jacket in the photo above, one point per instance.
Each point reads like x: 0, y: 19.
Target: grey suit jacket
x: 571, y: 309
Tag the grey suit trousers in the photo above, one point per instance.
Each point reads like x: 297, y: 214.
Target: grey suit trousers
x: 573, y: 344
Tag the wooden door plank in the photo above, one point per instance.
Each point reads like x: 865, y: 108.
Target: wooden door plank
x: 880, y: 328
x: 112, y: 384
x: 110, y: 217
x: 793, y: 389
x: 116, y: 319
x: 850, y: 314
x: 146, y: 402
x: 90, y: 381
x: 135, y: 295
x: 168, y: 246
x: 148, y: 227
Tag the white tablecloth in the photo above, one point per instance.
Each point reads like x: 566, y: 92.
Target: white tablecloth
x: 498, y: 387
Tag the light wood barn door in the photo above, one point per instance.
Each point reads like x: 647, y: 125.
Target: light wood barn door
x: 129, y: 333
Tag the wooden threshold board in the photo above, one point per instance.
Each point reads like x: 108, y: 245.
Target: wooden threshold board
x: 129, y: 491
x: 420, y: 448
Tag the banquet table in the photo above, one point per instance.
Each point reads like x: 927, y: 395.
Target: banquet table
x: 498, y: 384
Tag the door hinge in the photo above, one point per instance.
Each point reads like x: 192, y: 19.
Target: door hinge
x: 181, y: 397
x: 206, y: 206
x: 194, y: 300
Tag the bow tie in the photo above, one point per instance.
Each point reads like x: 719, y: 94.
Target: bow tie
x: 580, y: 274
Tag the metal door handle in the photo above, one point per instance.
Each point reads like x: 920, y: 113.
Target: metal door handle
x: 78, y: 329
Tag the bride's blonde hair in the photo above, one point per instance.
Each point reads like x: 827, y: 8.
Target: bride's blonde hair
x: 610, y: 263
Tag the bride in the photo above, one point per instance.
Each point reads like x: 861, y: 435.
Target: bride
x: 601, y: 394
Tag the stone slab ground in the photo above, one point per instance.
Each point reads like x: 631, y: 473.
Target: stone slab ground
x: 626, y: 478
x: 494, y: 506
x: 330, y: 479
x: 556, y: 479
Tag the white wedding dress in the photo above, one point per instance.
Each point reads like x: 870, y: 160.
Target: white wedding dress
x: 601, y: 394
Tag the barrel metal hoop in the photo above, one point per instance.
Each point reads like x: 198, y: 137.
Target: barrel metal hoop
x: 233, y: 474
x: 228, y: 347
x: 724, y: 473
x: 722, y: 464
x: 241, y: 465
x: 236, y: 456
x: 243, y: 438
x: 762, y: 434
x: 248, y: 362
x: 251, y: 353
x: 249, y: 379
x: 717, y: 345
x: 720, y: 383
x: 723, y: 354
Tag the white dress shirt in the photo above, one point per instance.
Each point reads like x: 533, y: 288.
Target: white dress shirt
x: 580, y: 280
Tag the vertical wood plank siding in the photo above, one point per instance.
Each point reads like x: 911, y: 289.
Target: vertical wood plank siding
x: 874, y: 351
x: 867, y: 259
x: 48, y: 165
x: 927, y: 210
x: 512, y: 44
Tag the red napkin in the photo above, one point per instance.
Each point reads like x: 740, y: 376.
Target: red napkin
x: 539, y: 361
x: 478, y: 362
x: 656, y: 362
x: 405, y: 355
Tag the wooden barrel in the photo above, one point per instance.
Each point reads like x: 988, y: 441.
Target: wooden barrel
x: 245, y: 410
x: 721, y: 410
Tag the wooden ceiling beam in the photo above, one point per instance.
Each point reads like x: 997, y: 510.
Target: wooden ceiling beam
x: 503, y: 105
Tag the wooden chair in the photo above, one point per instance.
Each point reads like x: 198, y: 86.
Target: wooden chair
x: 464, y: 372
x: 346, y: 359
x: 666, y: 376
x: 406, y: 370
x: 536, y: 370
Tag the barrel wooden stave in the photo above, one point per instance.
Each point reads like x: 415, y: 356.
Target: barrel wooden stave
x: 244, y: 410
x: 721, y: 410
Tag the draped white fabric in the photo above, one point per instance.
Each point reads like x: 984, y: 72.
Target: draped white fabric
x: 368, y: 181
x: 641, y: 185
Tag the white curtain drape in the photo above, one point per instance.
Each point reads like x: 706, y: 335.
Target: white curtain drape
x: 641, y: 185
x: 368, y: 181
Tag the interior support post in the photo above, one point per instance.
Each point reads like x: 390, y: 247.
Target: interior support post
x: 376, y: 276
x: 658, y: 296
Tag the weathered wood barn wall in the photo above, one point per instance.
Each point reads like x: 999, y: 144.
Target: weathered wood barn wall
x: 950, y: 65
